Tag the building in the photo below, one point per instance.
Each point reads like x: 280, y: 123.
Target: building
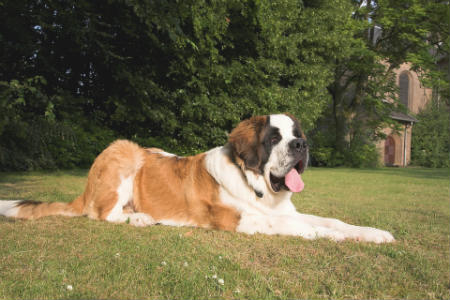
x: 395, y: 150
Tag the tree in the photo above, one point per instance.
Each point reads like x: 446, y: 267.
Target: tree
x: 386, y: 34
x: 176, y: 75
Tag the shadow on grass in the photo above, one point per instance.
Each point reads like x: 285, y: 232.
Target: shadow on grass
x: 20, y: 185
x: 74, y: 172
x: 18, y: 177
x: 412, y: 172
x: 7, y: 220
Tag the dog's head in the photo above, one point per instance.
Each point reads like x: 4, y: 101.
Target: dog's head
x: 273, y: 148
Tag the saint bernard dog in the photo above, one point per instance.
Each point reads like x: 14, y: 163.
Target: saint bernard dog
x: 243, y: 186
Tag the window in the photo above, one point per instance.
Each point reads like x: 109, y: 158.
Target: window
x: 404, y: 88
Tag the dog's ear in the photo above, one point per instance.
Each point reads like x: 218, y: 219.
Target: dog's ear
x: 246, y: 142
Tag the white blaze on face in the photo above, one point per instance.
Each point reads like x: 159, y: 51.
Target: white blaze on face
x: 279, y: 160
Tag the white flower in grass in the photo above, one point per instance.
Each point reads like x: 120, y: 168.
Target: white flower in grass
x: 163, y: 263
x: 117, y: 254
x: 69, y: 287
x: 214, y: 276
x: 220, y: 257
x: 185, y: 264
x: 237, y: 290
x: 221, y: 281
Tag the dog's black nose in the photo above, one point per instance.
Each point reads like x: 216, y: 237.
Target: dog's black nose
x: 297, y: 145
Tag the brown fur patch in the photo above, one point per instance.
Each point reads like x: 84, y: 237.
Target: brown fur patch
x: 120, y: 160
x: 224, y: 217
x: 180, y: 189
x: 245, y: 141
x: 36, y: 209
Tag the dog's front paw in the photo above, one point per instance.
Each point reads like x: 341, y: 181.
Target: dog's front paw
x: 369, y: 234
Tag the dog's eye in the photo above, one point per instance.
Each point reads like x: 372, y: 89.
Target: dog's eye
x: 274, y: 140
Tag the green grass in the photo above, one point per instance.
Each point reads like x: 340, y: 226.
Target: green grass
x: 39, y: 259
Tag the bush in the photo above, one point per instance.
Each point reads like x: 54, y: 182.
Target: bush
x: 34, y: 136
x: 358, y: 152
x: 361, y: 155
x: 430, y: 145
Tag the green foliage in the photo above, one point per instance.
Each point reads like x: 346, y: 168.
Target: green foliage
x: 20, y: 129
x: 321, y: 149
x: 364, y: 75
x: 175, y: 75
x: 430, y: 145
x: 179, y: 75
x: 31, y: 136
x: 362, y: 155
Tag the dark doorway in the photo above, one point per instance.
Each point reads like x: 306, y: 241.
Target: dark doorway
x: 389, y: 151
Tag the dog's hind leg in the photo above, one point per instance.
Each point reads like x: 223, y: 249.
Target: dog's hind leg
x: 124, y: 197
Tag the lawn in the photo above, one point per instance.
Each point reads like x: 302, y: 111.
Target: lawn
x: 58, y: 257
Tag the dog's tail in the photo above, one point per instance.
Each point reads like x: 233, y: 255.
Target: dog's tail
x: 25, y: 209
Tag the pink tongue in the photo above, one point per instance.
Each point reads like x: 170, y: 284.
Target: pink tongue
x: 294, y: 181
